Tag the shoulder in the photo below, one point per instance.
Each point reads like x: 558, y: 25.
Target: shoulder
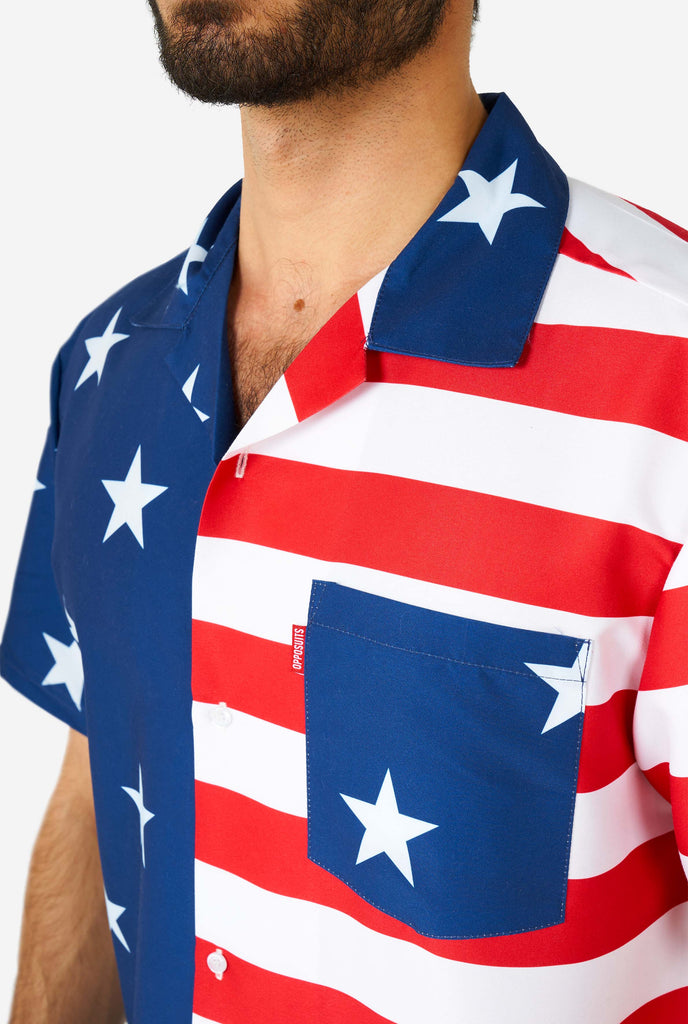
x: 141, y: 294
x: 85, y: 352
x: 648, y: 246
x: 619, y: 265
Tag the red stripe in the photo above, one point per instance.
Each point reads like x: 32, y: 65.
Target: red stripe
x: 575, y: 249
x: 249, y: 995
x: 666, y: 664
x: 585, y: 371
x: 675, y: 229
x: 659, y: 777
x: 445, y: 535
x: 332, y: 364
x: 607, y: 744
x: 269, y: 849
x: 247, y: 673
x: 671, y: 1008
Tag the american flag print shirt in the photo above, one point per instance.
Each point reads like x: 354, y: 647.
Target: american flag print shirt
x: 386, y: 693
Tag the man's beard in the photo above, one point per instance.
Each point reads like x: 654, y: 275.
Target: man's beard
x: 320, y: 48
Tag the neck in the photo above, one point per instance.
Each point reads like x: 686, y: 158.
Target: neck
x: 333, y: 190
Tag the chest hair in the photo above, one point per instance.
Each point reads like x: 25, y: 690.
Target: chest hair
x: 257, y: 365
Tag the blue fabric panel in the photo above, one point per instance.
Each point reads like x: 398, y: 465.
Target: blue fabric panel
x: 448, y: 709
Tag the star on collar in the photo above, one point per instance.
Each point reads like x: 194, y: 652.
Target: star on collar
x: 488, y: 201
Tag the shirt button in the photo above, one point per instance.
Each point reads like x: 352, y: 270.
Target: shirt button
x: 217, y: 963
x: 221, y: 715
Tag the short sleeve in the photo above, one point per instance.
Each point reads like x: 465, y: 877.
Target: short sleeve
x: 40, y: 655
x: 660, y: 725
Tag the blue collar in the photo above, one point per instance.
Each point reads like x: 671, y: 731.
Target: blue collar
x: 467, y: 286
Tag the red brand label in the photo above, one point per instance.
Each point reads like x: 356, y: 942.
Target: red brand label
x: 298, y: 642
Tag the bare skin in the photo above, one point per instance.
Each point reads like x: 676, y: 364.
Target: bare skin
x: 333, y: 190
x: 67, y: 971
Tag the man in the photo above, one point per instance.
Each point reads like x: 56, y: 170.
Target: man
x: 357, y: 558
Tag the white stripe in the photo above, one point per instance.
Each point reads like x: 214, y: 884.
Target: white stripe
x: 660, y: 729
x: 578, y: 294
x: 684, y: 861
x: 629, y: 239
x: 618, y: 472
x: 267, y: 763
x: 409, y: 985
x: 617, y: 656
x: 249, y: 756
x: 275, y: 413
x: 197, y: 1019
x: 367, y: 299
x: 609, y: 823
x: 270, y: 590
x: 678, y: 574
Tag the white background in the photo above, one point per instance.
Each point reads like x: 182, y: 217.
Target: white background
x: 108, y: 171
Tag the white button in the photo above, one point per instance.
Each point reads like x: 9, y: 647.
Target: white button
x: 217, y: 963
x: 221, y: 715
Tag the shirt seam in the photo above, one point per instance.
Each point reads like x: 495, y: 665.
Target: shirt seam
x: 442, y: 657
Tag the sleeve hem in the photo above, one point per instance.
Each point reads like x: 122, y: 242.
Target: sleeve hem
x: 29, y: 688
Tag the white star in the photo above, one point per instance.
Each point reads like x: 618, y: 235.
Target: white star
x: 114, y: 912
x: 568, y: 682
x: 196, y: 254
x: 98, y: 349
x: 188, y: 387
x: 386, y: 830
x: 38, y: 486
x: 144, y: 814
x: 68, y: 668
x: 130, y: 497
x: 488, y: 201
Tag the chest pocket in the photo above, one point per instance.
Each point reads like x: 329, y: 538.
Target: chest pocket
x: 442, y: 761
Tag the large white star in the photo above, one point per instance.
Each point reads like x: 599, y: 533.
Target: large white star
x: 188, y: 387
x: 130, y: 497
x: 568, y: 682
x: 114, y: 912
x: 144, y: 814
x: 68, y: 667
x: 386, y: 830
x: 98, y: 349
x: 196, y: 254
x: 488, y: 201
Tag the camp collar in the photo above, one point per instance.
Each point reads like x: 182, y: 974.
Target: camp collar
x: 467, y: 286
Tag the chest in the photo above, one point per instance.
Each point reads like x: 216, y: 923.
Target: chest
x: 440, y: 596
x: 255, y: 373
x: 258, y: 358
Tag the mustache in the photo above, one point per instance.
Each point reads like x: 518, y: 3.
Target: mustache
x: 202, y: 13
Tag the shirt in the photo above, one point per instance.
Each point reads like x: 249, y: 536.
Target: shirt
x: 386, y: 693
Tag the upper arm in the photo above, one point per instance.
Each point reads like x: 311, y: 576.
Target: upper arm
x: 75, y: 775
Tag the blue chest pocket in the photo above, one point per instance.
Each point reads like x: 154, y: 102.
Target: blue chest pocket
x: 442, y: 762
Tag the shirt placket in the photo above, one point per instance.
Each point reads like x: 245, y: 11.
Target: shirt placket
x: 237, y: 678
